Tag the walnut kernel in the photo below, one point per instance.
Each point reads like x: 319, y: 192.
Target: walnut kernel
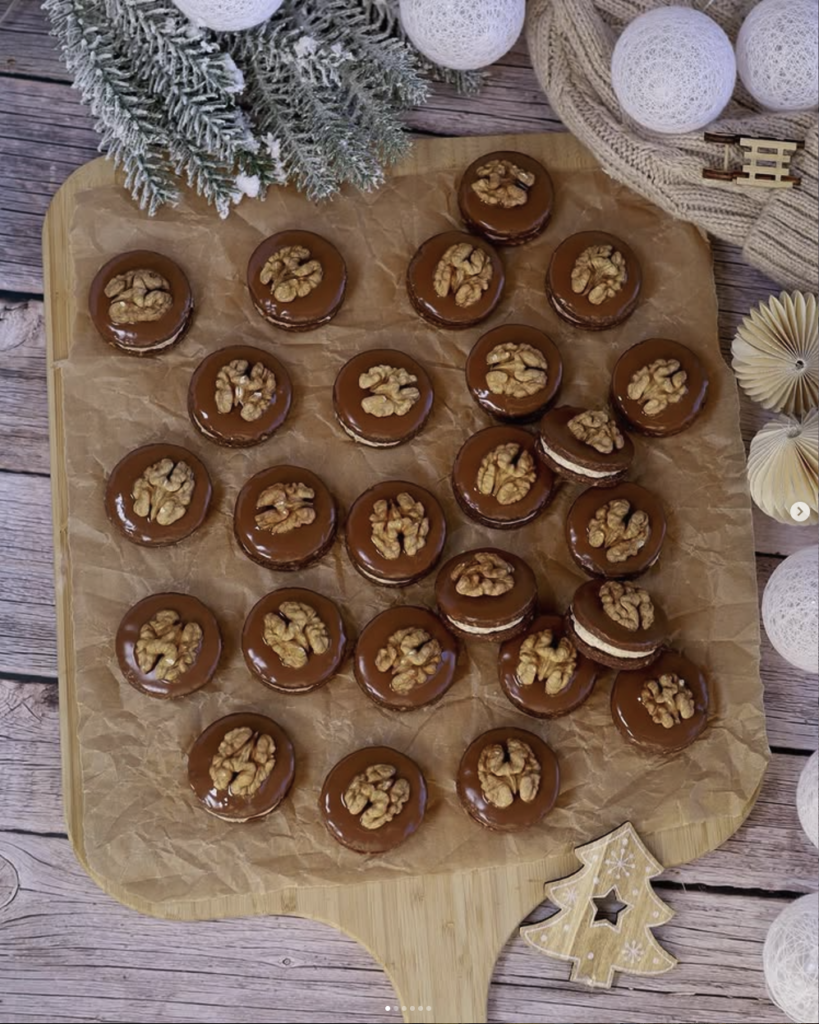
x: 483, y: 574
x: 502, y: 183
x: 597, y: 429
x: 507, y: 473
x: 243, y: 762
x: 167, y: 646
x: 508, y: 774
x: 138, y: 296
x: 295, y: 632
x: 412, y: 656
x: 599, y: 272
x: 627, y: 604
x: 516, y: 369
x: 391, y: 391
x: 465, y: 272
x: 399, y: 526
x: 164, y: 491
x: 658, y: 385
x: 621, y: 532
x: 251, y: 389
x: 668, y: 700
x: 291, y: 273
x: 375, y: 796
x: 540, y: 659
x: 283, y: 508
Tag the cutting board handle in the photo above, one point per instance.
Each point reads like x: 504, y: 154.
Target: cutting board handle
x: 438, y: 938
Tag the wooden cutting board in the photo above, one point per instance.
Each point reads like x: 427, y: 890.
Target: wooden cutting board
x: 438, y: 933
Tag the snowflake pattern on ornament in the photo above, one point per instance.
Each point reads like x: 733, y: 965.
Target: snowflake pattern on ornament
x: 620, y: 863
x: 568, y: 896
x: 632, y: 952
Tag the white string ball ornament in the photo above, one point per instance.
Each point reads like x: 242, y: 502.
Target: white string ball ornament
x: 228, y: 15
x: 673, y: 70
x: 463, y: 34
x: 791, y: 960
x: 778, y: 54
x: 807, y: 799
x: 790, y: 609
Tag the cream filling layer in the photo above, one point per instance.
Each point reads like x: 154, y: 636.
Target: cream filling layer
x: 574, y: 467
x: 363, y: 440
x: 377, y: 579
x: 601, y: 645
x: 485, y: 630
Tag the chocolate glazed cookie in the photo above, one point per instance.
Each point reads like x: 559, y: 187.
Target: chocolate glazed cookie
x: 382, y: 398
x: 507, y: 197
x: 285, y: 518
x: 141, y: 303
x: 659, y: 387
x: 584, y: 445
x: 395, y: 533
x: 663, y: 708
x: 455, y: 280
x: 297, y: 280
x: 594, y: 281
x: 241, y: 767
x: 498, y: 479
x: 295, y: 640
x: 158, y: 495
x: 616, y: 624
x: 168, y: 645
x: 508, y: 780
x: 487, y: 594
x: 373, y: 800
x: 239, y: 396
x: 542, y: 672
x: 405, y: 658
x: 617, y: 532
x: 514, y: 373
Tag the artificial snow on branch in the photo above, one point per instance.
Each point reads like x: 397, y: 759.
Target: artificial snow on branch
x: 313, y: 96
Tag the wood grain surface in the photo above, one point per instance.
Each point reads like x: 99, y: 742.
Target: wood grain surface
x: 69, y: 953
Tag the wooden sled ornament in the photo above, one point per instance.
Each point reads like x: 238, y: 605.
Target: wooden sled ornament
x: 607, y: 911
x: 767, y: 162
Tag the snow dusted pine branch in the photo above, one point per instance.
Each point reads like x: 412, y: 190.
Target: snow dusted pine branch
x: 313, y: 96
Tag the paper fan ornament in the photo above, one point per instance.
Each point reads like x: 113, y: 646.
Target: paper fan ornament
x: 776, y: 354
x: 783, y: 468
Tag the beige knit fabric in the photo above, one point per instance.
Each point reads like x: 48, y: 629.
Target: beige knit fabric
x: 571, y: 43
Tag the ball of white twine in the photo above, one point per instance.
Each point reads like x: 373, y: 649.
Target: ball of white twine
x: 463, y: 34
x: 673, y: 69
x: 778, y: 54
x: 807, y: 799
x: 791, y: 960
x: 228, y: 15
x: 790, y: 609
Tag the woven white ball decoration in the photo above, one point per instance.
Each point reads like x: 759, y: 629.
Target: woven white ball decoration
x: 463, y: 34
x: 673, y: 70
x: 228, y: 15
x: 807, y: 799
x: 790, y: 609
x: 778, y: 54
x: 791, y: 960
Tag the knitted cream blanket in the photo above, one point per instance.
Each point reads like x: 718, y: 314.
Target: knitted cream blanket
x: 571, y: 43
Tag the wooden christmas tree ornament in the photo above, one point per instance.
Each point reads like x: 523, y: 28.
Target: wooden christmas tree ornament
x: 607, y: 911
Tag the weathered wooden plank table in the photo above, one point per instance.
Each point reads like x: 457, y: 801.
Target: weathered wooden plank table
x: 67, y: 951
